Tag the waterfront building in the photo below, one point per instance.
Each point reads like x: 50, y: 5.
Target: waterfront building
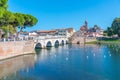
x: 61, y: 32
x: 43, y: 33
x: 95, y: 32
x: 83, y: 32
x: 84, y: 29
x: 68, y: 32
x: 71, y: 31
x: 23, y: 35
x: 84, y: 35
x: 33, y: 33
x: 47, y: 32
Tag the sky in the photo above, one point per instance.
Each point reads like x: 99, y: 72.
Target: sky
x: 54, y: 14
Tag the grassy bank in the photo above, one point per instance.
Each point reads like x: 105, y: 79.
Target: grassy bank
x: 92, y: 42
x: 108, y: 40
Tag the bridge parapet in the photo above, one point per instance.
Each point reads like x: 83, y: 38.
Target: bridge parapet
x: 50, y: 37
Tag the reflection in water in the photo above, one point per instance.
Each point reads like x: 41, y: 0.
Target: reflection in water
x: 114, y: 48
x: 70, y: 62
x: 10, y: 67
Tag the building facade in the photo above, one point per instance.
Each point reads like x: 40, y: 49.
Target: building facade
x: 68, y: 32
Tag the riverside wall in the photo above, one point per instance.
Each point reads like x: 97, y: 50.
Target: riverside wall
x: 82, y: 40
x: 15, y: 48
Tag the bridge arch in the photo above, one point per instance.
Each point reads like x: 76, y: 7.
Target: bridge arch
x: 49, y: 44
x: 56, y: 43
x: 62, y: 42
x: 67, y: 42
x: 38, y: 46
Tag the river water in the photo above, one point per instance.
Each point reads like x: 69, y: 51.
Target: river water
x: 68, y: 62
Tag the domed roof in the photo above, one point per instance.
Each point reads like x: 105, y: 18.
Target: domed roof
x: 83, y: 28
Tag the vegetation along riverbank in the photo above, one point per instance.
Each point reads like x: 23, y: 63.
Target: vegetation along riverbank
x: 105, y: 40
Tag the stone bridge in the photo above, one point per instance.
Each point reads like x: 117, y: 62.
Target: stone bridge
x: 49, y: 41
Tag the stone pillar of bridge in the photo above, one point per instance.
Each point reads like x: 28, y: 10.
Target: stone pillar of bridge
x: 44, y: 44
x: 53, y: 43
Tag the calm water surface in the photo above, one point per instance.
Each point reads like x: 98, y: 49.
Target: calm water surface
x: 68, y: 62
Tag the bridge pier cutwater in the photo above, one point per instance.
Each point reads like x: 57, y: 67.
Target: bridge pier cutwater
x: 49, y: 42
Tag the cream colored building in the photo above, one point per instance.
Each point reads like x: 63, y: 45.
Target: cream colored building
x: 70, y: 32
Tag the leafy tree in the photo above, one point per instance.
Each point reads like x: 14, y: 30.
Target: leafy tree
x: 19, y: 21
x: 105, y: 33
x: 11, y: 21
x: 110, y: 31
x: 6, y: 21
x: 116, y: 26
x: 96, y: 27
x: 24, y: 20
x: 118, y: 33
x: 3, y: 4
x: 8, y: 17
x: 7, y: 30
x: 29, y: 20
x: 1, y: 16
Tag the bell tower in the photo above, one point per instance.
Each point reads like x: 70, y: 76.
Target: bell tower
x: 86, y: 23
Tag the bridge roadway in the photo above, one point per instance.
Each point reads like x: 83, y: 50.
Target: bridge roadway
x: 49, y: 41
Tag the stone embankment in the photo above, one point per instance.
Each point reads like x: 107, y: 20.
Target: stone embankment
x: 82, y: 40
x: 15, y: 48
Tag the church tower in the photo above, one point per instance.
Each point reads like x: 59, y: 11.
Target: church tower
x: 84, y: 28
x: 86, y: 23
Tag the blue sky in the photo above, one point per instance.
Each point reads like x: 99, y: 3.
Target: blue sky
x: 54, y: 14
